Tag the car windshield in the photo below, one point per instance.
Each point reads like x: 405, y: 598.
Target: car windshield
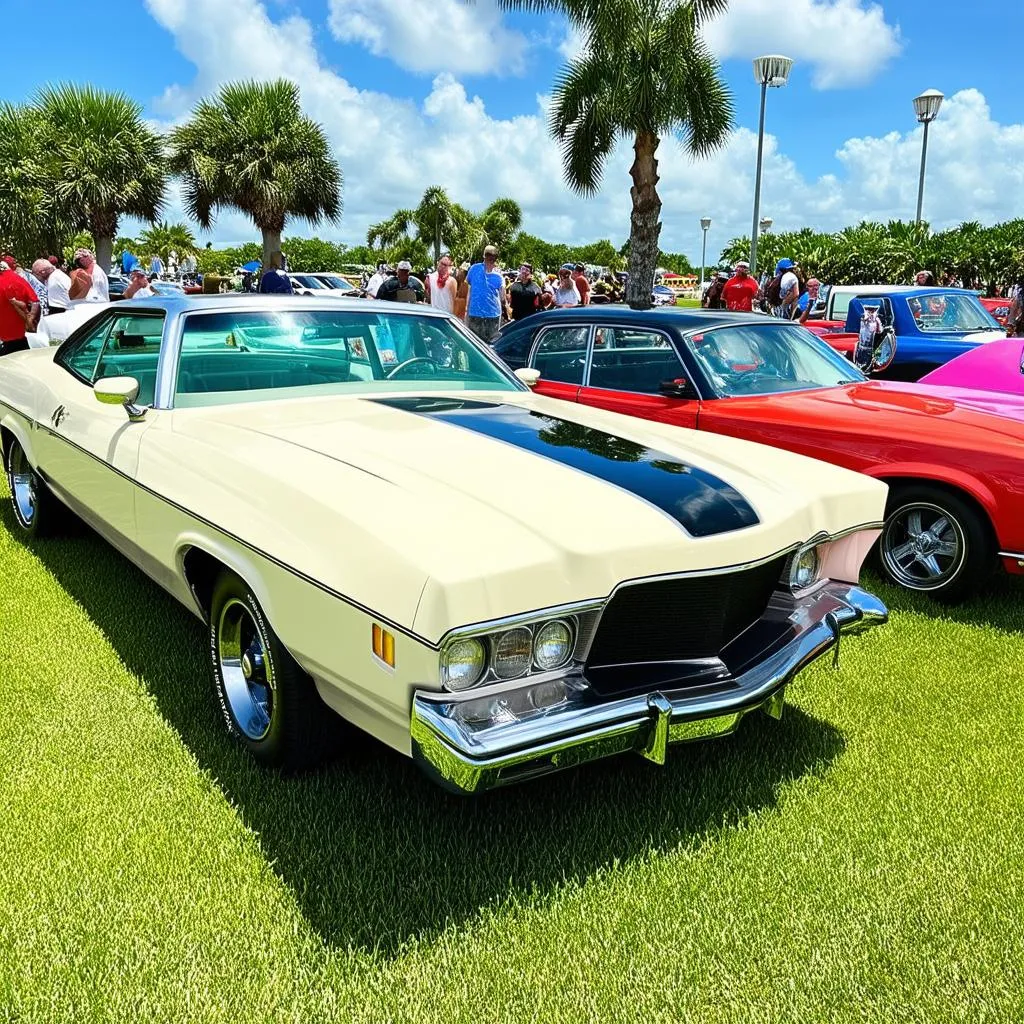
x: 951, y: 311
x: 257, y: 355
x: 307, y: 281
x: 768, y: 358
x: 334, y: 281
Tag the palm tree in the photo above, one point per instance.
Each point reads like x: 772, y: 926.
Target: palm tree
x: 438, y: 219
x: 25, y: 200
x: 163, y: 238
x: 101, y: 160
x: 645, y: 72
x: 394, y: 231
x: 252, y: 149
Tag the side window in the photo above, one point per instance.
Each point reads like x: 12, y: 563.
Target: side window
x: 82, y: 356
x: 127, y: 345
x: 562, y: 354
x: 632, y: 359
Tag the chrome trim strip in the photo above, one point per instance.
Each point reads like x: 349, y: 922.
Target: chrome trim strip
x: 645, y: 723
x: 1016, y: 555
x: 588, y: 348
x: 556, y: 611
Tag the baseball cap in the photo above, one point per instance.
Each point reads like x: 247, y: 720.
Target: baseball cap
x: 783, y: 264
x: 491, y: 250
x: 742, y: 263
x: 404, y: 265
x: 579, y: 266
x: 464, y: 266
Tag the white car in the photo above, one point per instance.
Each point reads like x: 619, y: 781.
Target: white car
x: 54, y: 329
x: 373, y: 515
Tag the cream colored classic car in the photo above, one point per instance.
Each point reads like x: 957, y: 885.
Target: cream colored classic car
x: 373, y: 514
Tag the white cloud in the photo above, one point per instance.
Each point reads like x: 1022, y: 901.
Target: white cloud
x: 846, y: 42
x: 442, y: 35
x: 392, y: 149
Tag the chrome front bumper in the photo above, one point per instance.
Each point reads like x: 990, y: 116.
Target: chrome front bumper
x: 573, y: 733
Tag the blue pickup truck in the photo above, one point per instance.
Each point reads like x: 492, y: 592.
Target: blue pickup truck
x: 930, y: 326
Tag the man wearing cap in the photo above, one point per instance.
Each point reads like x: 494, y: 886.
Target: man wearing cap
x: 524, y: 294
x: 403, y: 287
x: 487, y: 296
x: 138, y: 285
x: 740, y: 290
x: 788, y: 289
x: 19, y: 307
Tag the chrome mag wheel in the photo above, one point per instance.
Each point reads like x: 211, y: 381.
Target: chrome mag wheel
x: 923, y: 546
x: 24, y: 486
x: 246, y: 669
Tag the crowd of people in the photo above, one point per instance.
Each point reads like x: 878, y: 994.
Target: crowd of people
x: 483, y: 295
x: 786, y: 294
x: 51, y: 286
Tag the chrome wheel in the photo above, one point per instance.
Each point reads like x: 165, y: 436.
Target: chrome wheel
x: 246, y: 669
x: 24, y: 486
x: 923, y: 546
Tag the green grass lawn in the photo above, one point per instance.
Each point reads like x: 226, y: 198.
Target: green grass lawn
x: 861, y: 860
x: 688, y: 303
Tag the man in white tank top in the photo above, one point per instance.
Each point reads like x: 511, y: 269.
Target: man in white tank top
x: 441, y: 285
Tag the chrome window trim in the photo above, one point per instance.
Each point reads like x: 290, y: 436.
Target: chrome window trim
x: 171, y: 349
x: 561, y: 325
x: 634, y: 327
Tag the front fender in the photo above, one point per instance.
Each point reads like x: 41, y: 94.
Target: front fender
x: 932, y: 473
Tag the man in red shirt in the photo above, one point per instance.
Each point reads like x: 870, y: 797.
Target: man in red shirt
x: 740, y: 290
x: 19, y: 307
x: 579, y: 278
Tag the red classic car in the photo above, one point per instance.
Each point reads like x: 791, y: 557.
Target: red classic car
x: 954, y: 460
x: 999, y: 308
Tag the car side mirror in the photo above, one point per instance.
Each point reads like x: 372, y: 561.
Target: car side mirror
x: 120, y: 391
x: 678, y: 387
x: 528, y: 376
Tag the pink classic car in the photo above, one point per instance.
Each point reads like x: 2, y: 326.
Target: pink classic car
x: 997, y: 366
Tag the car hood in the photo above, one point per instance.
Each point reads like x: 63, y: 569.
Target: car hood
x: 480, y: 526
x: 946, y: 408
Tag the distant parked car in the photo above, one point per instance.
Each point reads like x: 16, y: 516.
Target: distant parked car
x: 663, y: 295
x: 999, y: 308
x: 340, y: 284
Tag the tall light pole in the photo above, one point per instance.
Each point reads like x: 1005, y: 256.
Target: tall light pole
x: 926, y: 107
x: 771, y: 71
x: 766, y: 223
x: 705, y: 223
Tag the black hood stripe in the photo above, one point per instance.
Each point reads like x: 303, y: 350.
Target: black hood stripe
x: 702, y: 503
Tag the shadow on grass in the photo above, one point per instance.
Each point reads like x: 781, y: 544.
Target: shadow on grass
x: 374, y: 853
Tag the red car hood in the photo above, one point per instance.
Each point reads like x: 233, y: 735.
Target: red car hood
x: 956, y: 407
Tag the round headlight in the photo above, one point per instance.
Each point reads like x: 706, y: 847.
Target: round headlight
x: 805, y: 569
x: 463, y: 663
x: 552, y: 646
x: 512, y: 652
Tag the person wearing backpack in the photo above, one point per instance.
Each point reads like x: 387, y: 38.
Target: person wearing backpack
x: 783, y: 290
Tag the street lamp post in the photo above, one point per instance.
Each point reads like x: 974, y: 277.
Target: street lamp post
x: 771, y: 71
x: 766, y: 223
x: 926, y: 107
x: 705, y: 223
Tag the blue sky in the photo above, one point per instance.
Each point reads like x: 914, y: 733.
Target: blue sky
x: 417, y: 94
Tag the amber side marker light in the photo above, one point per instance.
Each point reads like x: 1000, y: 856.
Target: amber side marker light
x: 383, y: 644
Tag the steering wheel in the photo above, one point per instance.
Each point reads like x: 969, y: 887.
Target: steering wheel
x: 409, y: 362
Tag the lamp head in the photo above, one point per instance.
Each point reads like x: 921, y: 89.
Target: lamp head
x: 772, y: 70
x: 926, y: 106
x: 705, y: 222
